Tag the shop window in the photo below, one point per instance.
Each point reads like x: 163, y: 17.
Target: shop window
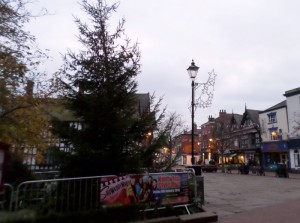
x: 283, y: 158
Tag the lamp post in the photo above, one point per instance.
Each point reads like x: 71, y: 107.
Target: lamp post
x: 192, y: 71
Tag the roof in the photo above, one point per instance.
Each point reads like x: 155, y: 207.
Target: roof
x: 55, y: 108
x: 62, y: 114
x: 238, y: 118
x: 224, y: 118
x: 274, y: 107
x: 292, y: 92
x: 252, y: 115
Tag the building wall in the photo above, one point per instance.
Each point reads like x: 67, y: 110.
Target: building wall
x: 293, y: 104
x: 281, y: 124
x: 184, y: 144
x: 205, y: 135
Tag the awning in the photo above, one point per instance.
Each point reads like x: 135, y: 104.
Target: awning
x: 232, y: 155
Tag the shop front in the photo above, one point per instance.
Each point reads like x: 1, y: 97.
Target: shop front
x: 274, y: 153
x: 232, y: 158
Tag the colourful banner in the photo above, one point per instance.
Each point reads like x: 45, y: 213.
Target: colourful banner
x: 151, y: 189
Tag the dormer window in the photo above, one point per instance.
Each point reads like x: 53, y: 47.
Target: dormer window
x: 247, y: 123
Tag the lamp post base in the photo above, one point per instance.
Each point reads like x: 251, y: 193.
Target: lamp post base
x: 193, y: 160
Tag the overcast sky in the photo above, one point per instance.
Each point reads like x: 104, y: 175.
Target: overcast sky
x: 253, y: 47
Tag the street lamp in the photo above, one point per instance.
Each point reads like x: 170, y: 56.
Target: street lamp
x: 192, y: 71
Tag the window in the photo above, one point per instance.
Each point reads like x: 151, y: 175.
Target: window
x: 283, y: 158
x: 248, y: 122
x: 297, y: 158
x: 272, y: 117
x: 274, y: 135
x: 244, y: 143
x: 236, y: 142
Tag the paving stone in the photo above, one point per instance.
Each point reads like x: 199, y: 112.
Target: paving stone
x: 251, y: 198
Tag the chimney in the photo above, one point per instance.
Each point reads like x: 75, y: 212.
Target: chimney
x: 222, y: 113
x: 210, y: 118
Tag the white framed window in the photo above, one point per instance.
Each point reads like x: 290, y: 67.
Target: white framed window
x: 297, y: 158
x: 272, y: 117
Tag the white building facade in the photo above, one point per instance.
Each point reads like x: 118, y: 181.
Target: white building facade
x: 274, y: 134
x: 293, y: 105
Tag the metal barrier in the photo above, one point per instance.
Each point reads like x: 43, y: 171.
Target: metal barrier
x: 68, y: 194
x: 197, y: 181
x: 192, y: 177
x: 6, y: 198
x: 88, y: 193
x: 10, y: 195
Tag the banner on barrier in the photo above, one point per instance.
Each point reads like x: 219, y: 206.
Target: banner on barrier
x: 150, y: 189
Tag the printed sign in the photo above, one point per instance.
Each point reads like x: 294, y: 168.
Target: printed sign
x: 150, y: 189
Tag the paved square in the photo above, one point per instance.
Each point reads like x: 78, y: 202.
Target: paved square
x: 228, y: 194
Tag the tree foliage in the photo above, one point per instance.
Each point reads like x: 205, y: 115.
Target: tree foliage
x: 21, y: 120
x: 99, y: 86
x: 16, y: 171
x: 169, y: 127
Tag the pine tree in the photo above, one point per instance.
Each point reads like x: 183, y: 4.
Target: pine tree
x: 99, y: 86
